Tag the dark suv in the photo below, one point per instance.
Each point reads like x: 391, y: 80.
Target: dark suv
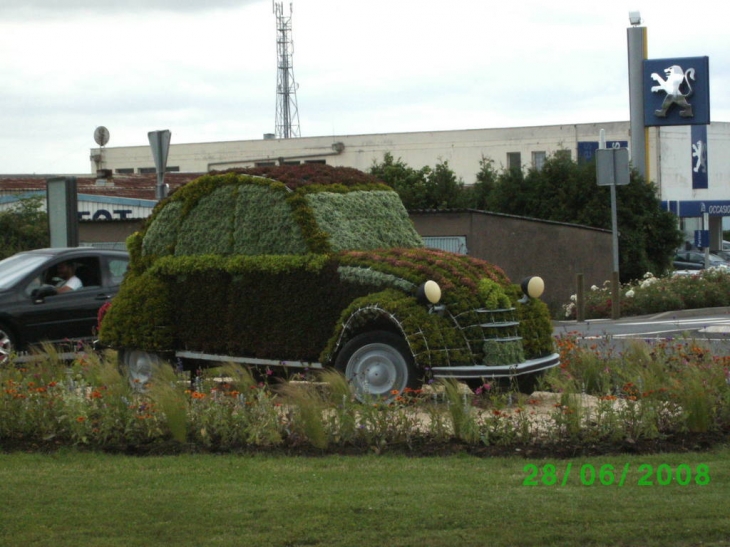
x: 33, y: 311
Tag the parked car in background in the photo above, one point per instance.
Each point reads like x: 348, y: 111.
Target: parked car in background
x: 36, y: 308
x: 725, y: 255
x: 311, y: 266
x: 695, y: 260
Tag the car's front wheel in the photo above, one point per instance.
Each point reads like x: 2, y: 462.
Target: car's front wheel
x: 378, y: 365
x: 7, y: 344
x: 139, y: 365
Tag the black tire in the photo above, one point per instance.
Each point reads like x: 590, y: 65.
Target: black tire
x: 8, y: 344
x: 139, y: 366
x: 378, y: 365
x: 528, y: 383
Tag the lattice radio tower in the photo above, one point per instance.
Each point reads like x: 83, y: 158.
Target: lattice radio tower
x: 287, y: 113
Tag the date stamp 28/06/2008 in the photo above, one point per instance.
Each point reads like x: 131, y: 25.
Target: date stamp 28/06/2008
x: 609, y: 475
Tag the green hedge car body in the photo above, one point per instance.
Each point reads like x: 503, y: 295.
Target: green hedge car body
x: 319, y: 268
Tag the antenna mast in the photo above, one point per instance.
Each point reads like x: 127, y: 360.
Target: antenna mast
x: 287, y: 113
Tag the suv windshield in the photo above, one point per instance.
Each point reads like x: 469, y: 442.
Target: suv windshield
x: 18, y: 266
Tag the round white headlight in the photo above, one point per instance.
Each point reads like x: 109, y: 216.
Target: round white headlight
x: 429, y: 292
x: 533, y: 286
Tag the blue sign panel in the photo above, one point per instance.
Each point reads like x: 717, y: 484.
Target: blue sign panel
x: 700, y: 179
x: 715, y: 208
x: 702, y: 238
x: 677, y: 91
x: 587, y: 149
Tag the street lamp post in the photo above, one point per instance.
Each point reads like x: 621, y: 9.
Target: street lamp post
x: 637, y: 48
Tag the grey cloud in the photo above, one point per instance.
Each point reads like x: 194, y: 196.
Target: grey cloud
x: 26, y: 9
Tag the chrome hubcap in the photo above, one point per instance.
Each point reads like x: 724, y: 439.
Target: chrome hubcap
x: 377, y: 369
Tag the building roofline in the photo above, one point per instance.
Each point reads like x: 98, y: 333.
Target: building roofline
x: 505, y: 215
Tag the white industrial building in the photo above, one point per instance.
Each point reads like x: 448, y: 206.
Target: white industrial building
x: 669, y: 161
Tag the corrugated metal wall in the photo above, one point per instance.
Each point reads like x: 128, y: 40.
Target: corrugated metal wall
x: 452, y: 244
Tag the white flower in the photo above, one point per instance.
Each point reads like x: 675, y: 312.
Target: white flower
x: 573, y: 297
x: 648, y: 281
x: 648, y: 275
x: 594, y: 288
x: 630, y: 293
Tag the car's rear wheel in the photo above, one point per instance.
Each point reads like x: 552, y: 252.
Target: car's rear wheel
x: 7, y: 344
x: 139, y: 365
x: 378, y: 365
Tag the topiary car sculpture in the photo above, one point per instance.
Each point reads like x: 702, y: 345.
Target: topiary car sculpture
x: 310, y: 267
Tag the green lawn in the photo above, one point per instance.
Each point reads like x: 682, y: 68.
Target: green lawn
x: 84, y: 499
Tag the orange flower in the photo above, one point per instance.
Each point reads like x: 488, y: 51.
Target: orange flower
x: 81, y: 419
x: 96, y: 395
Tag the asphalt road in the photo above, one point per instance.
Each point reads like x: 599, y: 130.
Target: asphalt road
x: 709, y: 324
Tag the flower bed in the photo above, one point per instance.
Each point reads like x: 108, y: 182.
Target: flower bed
x: 649, y: 394
x: 702, y: 289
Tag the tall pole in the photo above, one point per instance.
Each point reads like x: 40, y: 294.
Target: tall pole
x: 287, y: 113
x: 637, y: 48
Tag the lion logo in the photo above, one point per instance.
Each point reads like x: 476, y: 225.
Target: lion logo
x: 699, y: 151
x: 676, y: 81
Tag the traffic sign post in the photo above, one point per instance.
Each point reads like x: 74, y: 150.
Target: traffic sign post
x: 612, y: 169
x: 160, y: 144
x: 612, y: 166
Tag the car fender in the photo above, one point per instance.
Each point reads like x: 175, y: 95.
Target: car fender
x: 430, y: 337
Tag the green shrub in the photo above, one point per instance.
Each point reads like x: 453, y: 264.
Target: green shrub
x: 208, y: 227
x: 141, y: 315
x: 535, y: 326
x: 160, y: 237
x: 264, y: 222
x: 240, y: 213
x: 364, y: 220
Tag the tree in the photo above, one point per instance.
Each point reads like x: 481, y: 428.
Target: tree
x: 408, y: 182
x: 23, y: 227
x: 426, y: 188
x: 443, y: 190
x: 478, y: 194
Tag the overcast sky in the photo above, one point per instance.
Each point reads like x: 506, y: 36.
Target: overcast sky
x: 206, y: 69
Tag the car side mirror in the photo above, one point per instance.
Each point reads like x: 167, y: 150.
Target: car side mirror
x: 43, y: 291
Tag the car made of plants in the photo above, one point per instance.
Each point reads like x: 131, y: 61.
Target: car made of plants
x: 313, y: 266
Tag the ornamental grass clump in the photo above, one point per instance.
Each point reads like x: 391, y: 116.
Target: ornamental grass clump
x: 654, y: 388
x: 599, y: 395
x: 232, y: 410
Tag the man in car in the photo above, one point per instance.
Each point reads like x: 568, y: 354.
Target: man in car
x: 67, y: 271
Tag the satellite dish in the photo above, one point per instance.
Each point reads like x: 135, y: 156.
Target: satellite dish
x: 101, y: 135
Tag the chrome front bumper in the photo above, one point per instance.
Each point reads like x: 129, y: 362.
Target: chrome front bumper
x: 498, y: 371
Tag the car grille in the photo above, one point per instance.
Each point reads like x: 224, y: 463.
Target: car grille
x: 494, y: 334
